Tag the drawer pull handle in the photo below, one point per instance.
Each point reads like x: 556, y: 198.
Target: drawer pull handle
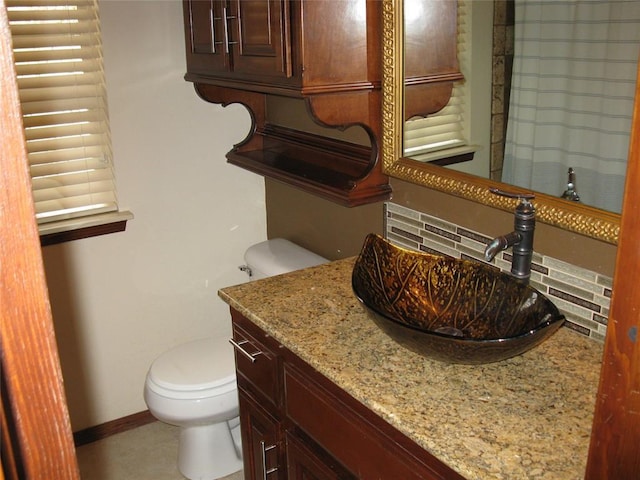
x: 264, y: 449
x: 238, y: 347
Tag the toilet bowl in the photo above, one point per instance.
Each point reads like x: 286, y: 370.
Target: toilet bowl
x: 193, y: 385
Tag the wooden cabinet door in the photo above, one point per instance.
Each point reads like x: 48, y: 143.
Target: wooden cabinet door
x: 206, y: 32
x: 353, y: 436
x: 245, y: 39
x: 260, y: 38
x: 305, y: 463
x: 261, y: 446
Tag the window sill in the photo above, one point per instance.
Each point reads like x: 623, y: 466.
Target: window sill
x: 77, y: 228
x: 449, y: 156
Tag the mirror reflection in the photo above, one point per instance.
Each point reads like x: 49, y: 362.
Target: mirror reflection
x: 547, y: 98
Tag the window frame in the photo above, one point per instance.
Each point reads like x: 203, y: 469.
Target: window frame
x: 73, y: 173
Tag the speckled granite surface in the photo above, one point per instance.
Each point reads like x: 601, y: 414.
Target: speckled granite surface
x: 524, y: 418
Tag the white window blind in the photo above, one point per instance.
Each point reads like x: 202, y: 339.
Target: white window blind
x: 58, y: 57
x: 443, y: 133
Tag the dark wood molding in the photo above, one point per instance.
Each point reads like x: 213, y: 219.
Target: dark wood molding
x: 85, y: 232
x: 119, y: 425
x: 452, y: 160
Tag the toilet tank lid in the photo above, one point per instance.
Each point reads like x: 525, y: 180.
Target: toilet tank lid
x: 279, y: 255
x: 197, y: 365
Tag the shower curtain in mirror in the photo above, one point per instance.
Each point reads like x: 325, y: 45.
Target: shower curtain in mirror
x: 574, y: 72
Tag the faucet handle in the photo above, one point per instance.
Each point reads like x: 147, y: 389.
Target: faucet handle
x: 504, y: 193
x: 523, y: 197
x: 525, y: 208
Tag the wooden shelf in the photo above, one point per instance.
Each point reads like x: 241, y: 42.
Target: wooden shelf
x: 330, y: 168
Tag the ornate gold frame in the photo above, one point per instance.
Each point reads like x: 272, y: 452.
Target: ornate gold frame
x: 578, y: 218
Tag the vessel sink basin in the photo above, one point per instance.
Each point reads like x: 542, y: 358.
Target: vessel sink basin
x: 451, y: 310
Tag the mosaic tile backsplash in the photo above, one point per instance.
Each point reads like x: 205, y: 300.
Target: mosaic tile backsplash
x: 581, y: 295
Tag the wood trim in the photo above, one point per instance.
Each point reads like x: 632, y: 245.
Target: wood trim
x: 85, y: 232
x: 35, y: 402
x: 119, y: 425
x: 452, y: 160
x: 614, y: 452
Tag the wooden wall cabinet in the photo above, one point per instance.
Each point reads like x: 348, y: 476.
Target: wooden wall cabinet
x: 430, y: 57
x: 328, y: 54
x: 287, y: 47
x: 297, y: 424
x: 238, y: 40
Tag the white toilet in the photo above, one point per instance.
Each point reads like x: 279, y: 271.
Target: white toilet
x: 193, y: 385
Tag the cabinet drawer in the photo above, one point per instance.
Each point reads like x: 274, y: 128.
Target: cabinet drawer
x: 256, y: 365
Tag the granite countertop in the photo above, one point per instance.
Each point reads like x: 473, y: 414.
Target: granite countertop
x: 528, y: 417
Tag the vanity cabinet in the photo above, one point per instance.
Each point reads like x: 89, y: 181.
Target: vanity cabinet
x: 327, y: 54
x: 297, y: 424
x: 259, y: 397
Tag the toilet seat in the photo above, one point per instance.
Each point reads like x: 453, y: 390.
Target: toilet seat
x: 199, y: 369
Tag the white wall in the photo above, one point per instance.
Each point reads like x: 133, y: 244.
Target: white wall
x: 120, y: 300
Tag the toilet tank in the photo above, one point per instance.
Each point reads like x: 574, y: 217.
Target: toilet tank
x: 276, y: 256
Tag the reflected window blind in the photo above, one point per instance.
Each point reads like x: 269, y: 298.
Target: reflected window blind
x: 427, y: 138
x: 58, y: 57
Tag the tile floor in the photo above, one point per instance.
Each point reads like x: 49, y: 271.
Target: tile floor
x: 144, y: 453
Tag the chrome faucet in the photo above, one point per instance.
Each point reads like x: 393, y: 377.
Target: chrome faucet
x: 521, y: 239
x: 571, y: 193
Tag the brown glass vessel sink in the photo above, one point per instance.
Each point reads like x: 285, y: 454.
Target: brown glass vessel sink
x: 452, y: 310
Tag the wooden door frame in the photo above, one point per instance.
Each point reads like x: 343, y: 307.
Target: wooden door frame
x: 36, y: 432
x: 614, y: 452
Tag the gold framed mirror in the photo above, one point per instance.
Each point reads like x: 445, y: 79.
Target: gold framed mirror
x: 579, y: 218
